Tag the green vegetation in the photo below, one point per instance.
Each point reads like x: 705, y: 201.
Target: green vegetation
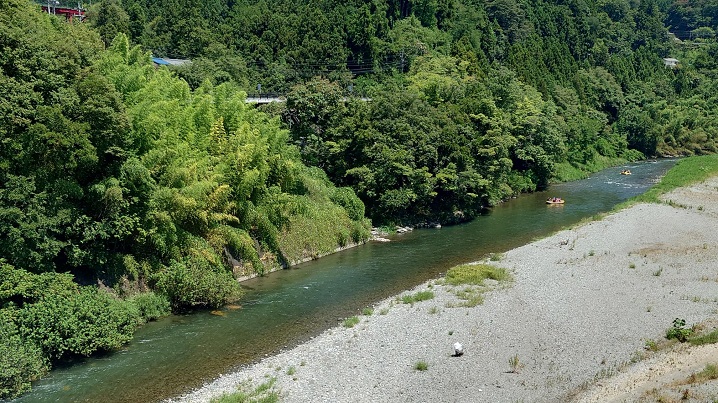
x: 475, y: 274
x: 496, y: 257
x: 708, y: 338
x: 709, y: 373
x: 421, y: 366
x: 471, y: 102
x: 47, y: 318
x: 417, y: 297
x: 686, y: 171
x: 264, y: 393
x: 367, y: 311
x: 471, y: 296
x: 351, y: 322
x: 678, y: 331
x: 131, y: 190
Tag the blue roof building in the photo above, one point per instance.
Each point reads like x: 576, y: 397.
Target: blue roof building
x: 163, y: 61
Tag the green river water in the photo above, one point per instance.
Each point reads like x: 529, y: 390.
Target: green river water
x: 176, y: 354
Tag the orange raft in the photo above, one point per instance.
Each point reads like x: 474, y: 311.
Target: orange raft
x: 555, y: 200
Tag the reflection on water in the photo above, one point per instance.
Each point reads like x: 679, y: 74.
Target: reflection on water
x: 179, y: 353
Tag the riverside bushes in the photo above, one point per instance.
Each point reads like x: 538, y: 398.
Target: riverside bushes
x: 21, y: 362
x: 194, y: 282
x: 45, y: 318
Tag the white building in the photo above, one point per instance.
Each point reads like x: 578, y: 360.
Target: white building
x: 670, y: 62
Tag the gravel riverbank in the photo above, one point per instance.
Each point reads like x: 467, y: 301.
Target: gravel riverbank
x: 575, y: 318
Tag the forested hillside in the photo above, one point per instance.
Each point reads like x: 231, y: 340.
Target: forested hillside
x: 128, y: 190
x: 124, y: 193
x: 473, y: 101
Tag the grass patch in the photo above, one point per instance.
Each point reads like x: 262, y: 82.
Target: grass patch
x: 708, y: 374
x: 367, y: 311
x: 351, y: 322
x: 651, y: 345
x: 495, y: 257
x: 417, y: 297
x: 475, y: 274
x: 709, y: 338
x: 421, y: 366
x: 264, y: 393
x: 471, y: 296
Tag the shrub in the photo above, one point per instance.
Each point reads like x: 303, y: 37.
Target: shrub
x: 151, y: 306
x: 194, y: 282
x: 20, y: 362
x: 80, y: 323
x: 346, y: 198
x: 679, y: 331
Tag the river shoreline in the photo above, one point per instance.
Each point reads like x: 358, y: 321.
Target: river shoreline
x: 583, y: 303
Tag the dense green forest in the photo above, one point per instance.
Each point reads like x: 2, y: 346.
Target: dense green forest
x: 129, y: 190
x: 473, y: 101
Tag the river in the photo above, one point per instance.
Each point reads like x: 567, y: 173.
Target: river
x: 173, y: 355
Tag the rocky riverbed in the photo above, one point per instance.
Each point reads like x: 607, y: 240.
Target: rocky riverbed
x: 572, y: 325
